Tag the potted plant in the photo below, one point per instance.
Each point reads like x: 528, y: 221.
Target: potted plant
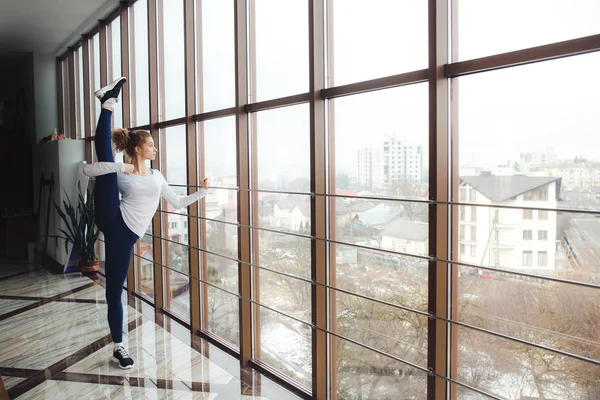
x: 81, y: 229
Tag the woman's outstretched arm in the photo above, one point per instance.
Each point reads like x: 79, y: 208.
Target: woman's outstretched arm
x: 104, y: 168
x: 180, y: 201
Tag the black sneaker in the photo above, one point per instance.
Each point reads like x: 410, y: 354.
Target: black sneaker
x: 111, y: 91
x: 121, y: 356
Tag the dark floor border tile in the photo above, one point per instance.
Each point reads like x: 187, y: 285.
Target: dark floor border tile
x: 18, y: 372
x: 145, y: 382
x: 46, y: 300
x: 85, y: 301
x: 136, y: 323
x: 48, y: 373
x: 21, y: 310
x: 204, y: 387
x: 56, y: 297
x: 17, y: 274
x: 24, y: 298
x: 90, y: 378
x: 40, y: 301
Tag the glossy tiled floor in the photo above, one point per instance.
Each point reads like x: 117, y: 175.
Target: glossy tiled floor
x: 54, y: 344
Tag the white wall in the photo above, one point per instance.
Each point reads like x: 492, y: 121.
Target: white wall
x: 61, y: 158
x: 46, y: 110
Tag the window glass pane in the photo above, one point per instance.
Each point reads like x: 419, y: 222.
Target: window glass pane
x: 364, y: 374
x: 373, y: 324
x: 293, y: 297
x: 222, y: 271
x: 221, y: 237
x: 216, y: 77
x: 171, y: 60
x: 220, y: 152
x: 558, y: 316
x: 221, y: 205
x: 113, y: 33
x: 223, y: 315
x: 281, y: 40
x: 144, y: 265
x: 393, y: 278
x: 363, y: 36
x: 173, y: 155
x: 381, y: 142
x: 399, y: 226
x: 286, y: 345
x: 66, y: 98
x: 282, y: 153
x: 282, y: 159
x: 284, y: 212
x: 538, y: 153
x: 545, y: 134
x: 95, y: 83
x: 542, y: 259
x: 138, y: 57
x: 549, y: 162
x: 280, y: 252
x: 79, y: 77
x: 175, y: 222
x: 175, y: 250
x: 290, y: 255
x: 177, y: 293
x: 486, y: 28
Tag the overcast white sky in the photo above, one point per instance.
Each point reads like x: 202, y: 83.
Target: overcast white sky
x: 501, y: 113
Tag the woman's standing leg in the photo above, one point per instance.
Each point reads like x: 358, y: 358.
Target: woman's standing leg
x: 119, y: 242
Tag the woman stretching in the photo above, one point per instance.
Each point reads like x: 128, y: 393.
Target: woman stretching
x: 123, y: 221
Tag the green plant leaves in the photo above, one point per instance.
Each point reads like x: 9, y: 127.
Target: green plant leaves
x: 80, y: 222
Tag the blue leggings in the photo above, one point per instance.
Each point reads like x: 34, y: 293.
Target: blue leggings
x: 118, y: 238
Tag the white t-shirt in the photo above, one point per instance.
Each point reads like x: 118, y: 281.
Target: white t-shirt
x: 140, y: 195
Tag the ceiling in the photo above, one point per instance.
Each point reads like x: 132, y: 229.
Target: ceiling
x: 48, y: 26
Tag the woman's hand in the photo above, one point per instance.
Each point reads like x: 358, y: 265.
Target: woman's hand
x: 204, y: 183
x: 128, y: 168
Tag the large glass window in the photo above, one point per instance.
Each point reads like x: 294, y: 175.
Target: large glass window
x: 79, y: 94
x: 490, y: 28
x: 143, y: 262
x: 138, y: 59
x: 282, y: 159
x: 174, y: 222
x: 95, y: 108
x: 66, y: 98
x: 220, y: 224
x: 380, y: 144
x: 279, y: 43
x: 363, y: 37
x: 113, y: 40
x: 526, y: 159
x: 171, y: 60
x: 521, y: 283
x: 215, y: 57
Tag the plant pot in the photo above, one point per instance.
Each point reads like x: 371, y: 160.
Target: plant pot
x: 89, y: 267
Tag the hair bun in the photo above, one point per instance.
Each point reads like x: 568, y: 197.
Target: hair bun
x: 121, y: 138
